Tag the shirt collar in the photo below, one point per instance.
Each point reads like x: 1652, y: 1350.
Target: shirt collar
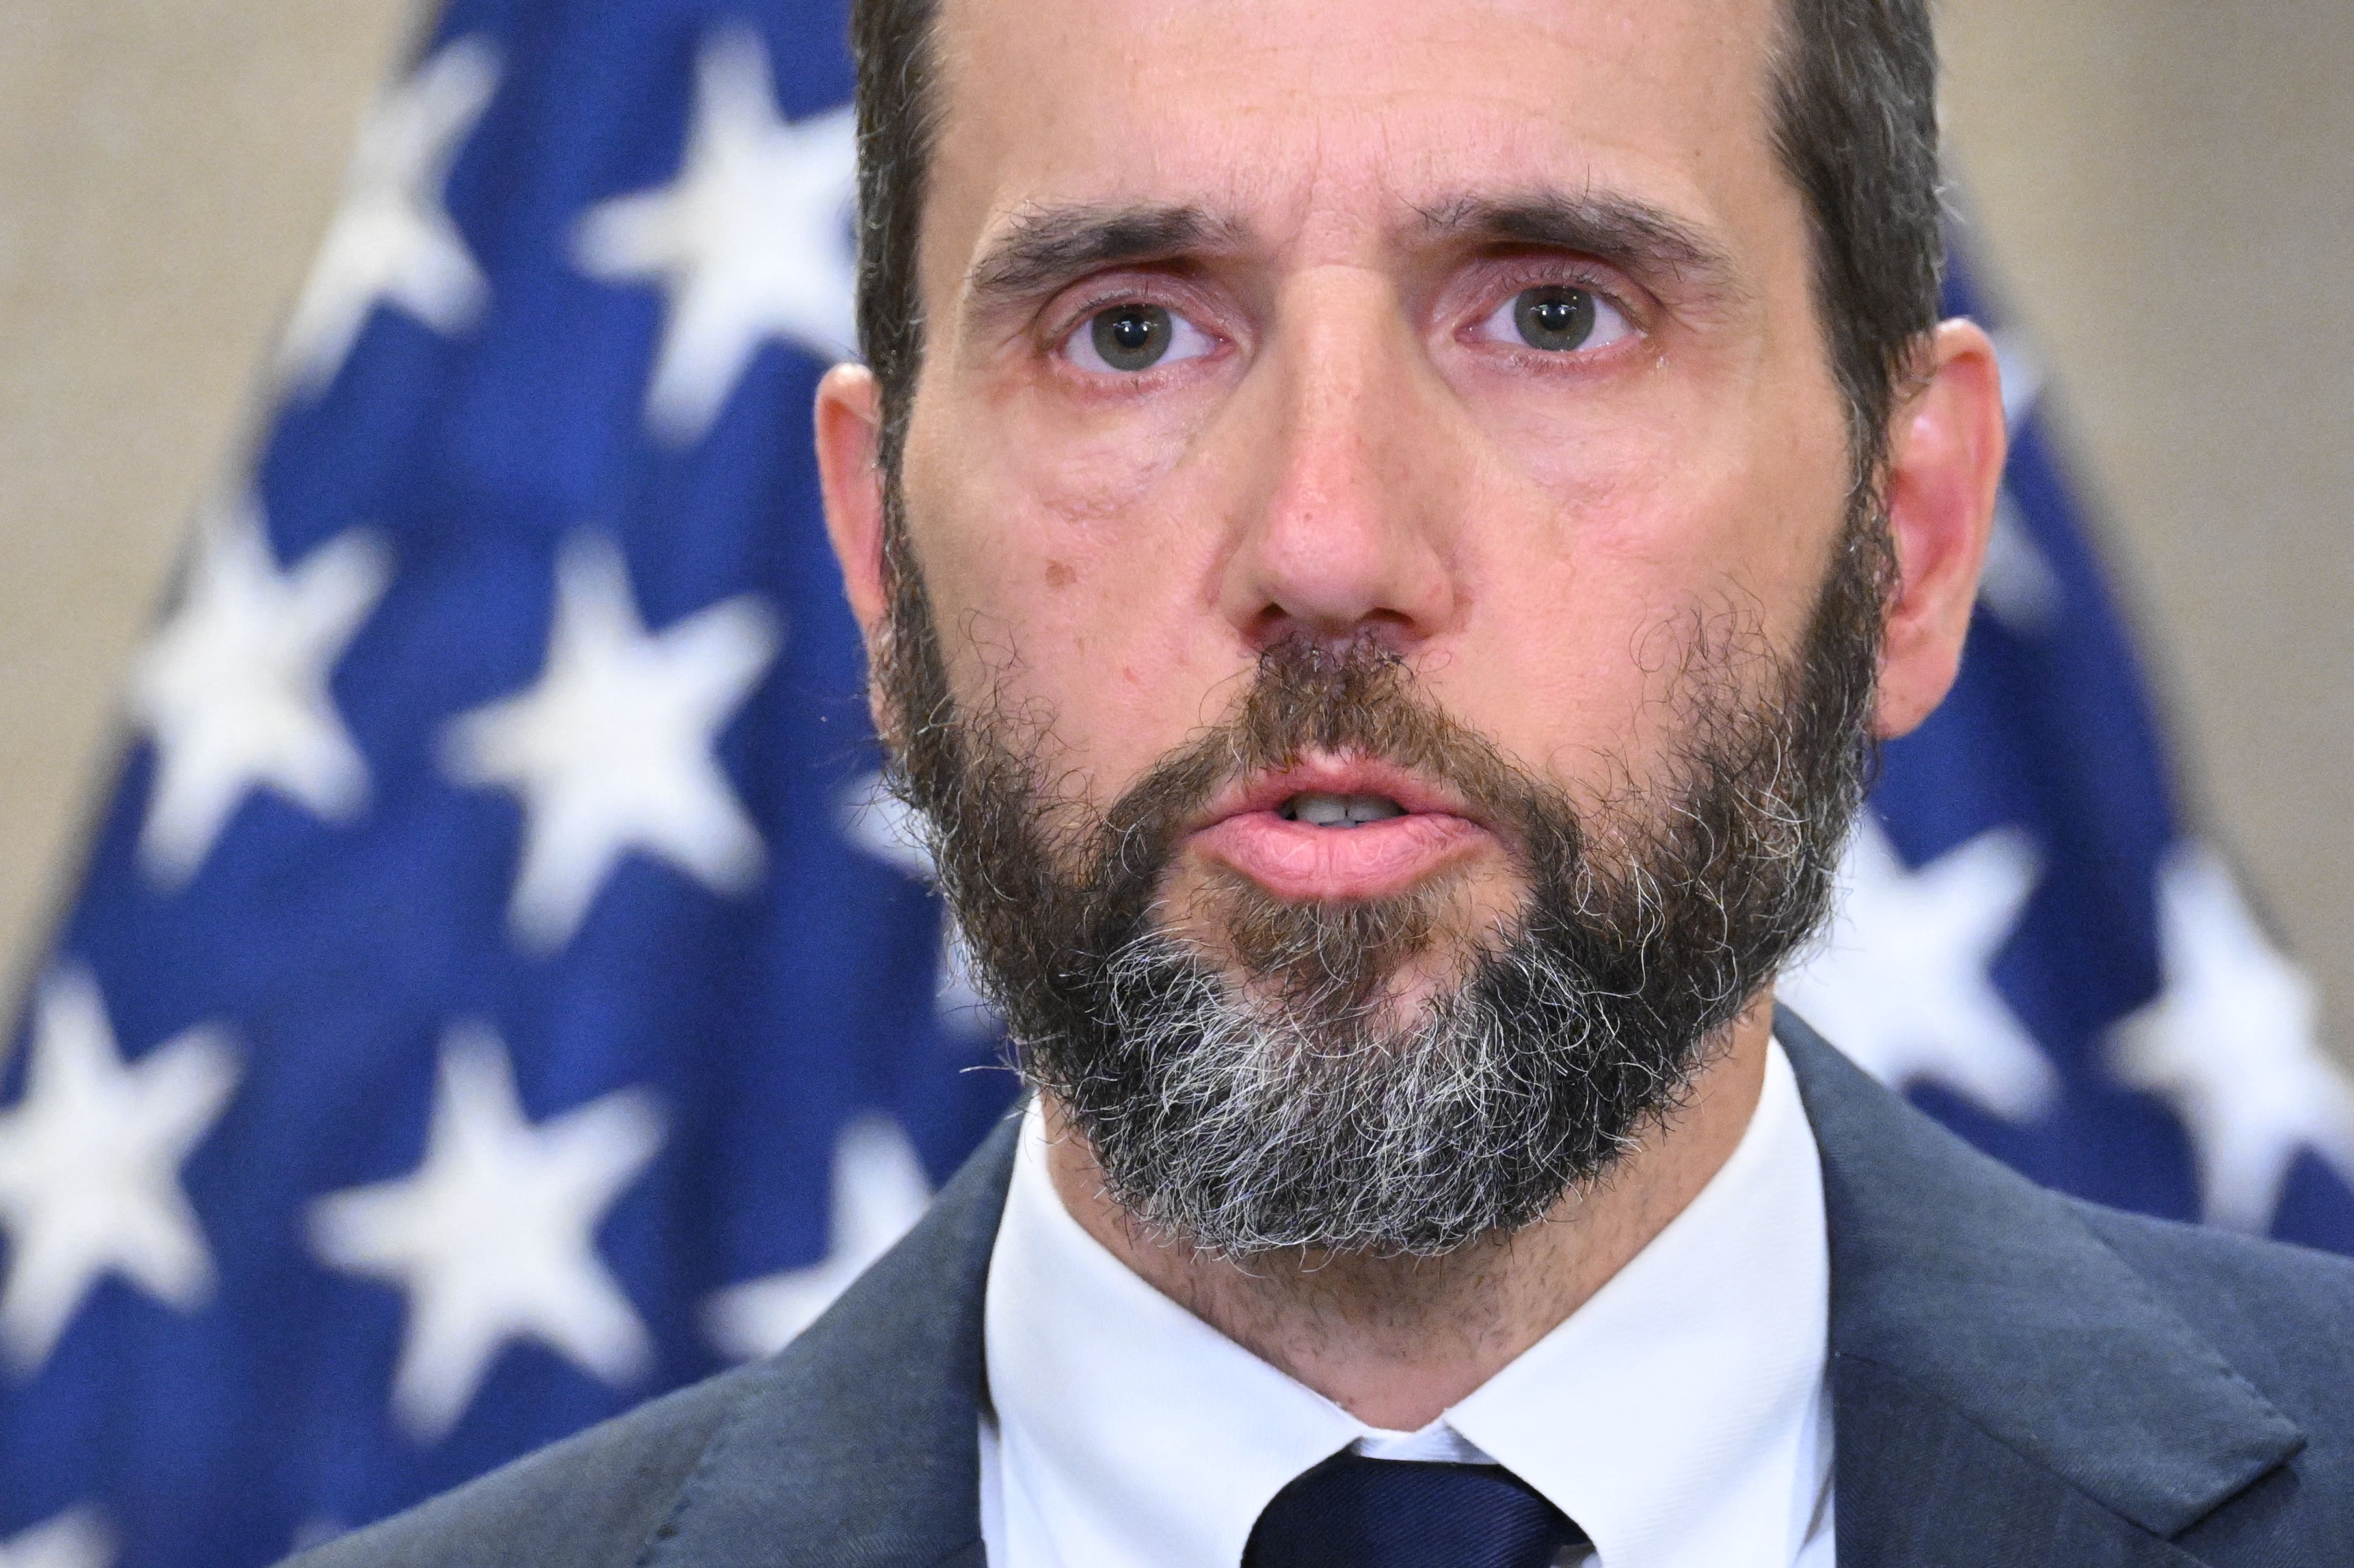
x: 1128, y: 1430
x: 1676, y: 1415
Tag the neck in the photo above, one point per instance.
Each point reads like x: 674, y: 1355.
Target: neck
x: 1395, y: 1342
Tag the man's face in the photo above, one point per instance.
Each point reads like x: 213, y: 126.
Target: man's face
x: 1348, y: 235
x: 1376, y: 520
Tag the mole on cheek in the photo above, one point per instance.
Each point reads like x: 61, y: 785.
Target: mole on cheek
x: 1059, y: 575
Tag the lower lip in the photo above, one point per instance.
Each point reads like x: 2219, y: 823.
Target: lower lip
x: 1374, y: 860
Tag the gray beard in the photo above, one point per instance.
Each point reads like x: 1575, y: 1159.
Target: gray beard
x: 1285, y: 1109
x: 1256, y: 1133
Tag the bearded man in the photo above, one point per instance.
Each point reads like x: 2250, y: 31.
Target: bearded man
x: 1386, y: 536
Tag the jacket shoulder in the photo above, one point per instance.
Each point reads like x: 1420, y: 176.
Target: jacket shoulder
x: 590, y: 1501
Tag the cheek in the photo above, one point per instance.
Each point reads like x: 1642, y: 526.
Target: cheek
x: 1066, y: 575
x: 1559, y: 665
x: 1640, y: 539
x: 1720, y: 477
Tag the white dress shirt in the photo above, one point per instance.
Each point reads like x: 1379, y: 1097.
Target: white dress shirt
x: 1679, y: 1417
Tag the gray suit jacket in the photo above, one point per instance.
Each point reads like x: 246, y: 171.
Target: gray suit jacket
x: 2018, y: 1378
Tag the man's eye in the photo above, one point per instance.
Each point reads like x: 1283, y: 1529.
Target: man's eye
x: 1557, y: 318
x: 1126, y: 339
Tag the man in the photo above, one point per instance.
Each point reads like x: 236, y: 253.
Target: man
x: 1386, y: 534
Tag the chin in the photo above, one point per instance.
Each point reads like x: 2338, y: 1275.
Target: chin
x: 1380, y: 966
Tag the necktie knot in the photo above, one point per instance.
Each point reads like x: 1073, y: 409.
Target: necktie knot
x: 1355, y: 1512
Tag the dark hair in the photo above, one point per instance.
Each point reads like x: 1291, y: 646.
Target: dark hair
x: 1855, y: 125
x: 899, y: 116
x: 1854, y: 99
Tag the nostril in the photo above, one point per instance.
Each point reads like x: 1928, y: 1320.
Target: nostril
x: 1380, y: 634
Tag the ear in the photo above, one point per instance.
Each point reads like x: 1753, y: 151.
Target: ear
x: 1946, y: 445
x: 849, y: 441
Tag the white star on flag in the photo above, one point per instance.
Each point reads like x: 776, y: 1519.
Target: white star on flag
x: 392, y: 239
x: 753, y: 241
x: 879, y: 1192
x: 233, y: 688
x: 494, y: 1238
x: 611, y: 750
x: 884, y: 826
x: 74, y: 1539
x: 1902, y: 984
x: 90, y: 1166
x: 2231, y: 1043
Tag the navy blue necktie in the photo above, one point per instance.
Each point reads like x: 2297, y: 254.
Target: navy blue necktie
x: 1354, y: 1512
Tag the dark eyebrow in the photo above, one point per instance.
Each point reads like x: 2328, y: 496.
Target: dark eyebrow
x: 1647, y: 242
x: 1042, y: 249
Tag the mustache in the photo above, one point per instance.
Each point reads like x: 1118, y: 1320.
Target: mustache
x: 1355, y: 699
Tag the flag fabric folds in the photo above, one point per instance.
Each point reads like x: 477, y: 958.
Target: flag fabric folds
x: 497, y: 993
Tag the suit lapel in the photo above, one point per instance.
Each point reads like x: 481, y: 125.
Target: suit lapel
x: 2006, y: 1389
x: 858, y: 1445
x: 1922, y: 1485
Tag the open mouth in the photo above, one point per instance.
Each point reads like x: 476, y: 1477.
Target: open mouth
x: 1322, y: 810
x: 1339, y: 830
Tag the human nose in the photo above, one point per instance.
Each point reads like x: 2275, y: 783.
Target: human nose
x: 1342, y: 530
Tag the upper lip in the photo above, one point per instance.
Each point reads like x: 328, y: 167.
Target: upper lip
x: 1333, y: 776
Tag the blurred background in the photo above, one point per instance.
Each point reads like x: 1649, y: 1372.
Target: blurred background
x: 2159, y: 191
x: 751, y: 1049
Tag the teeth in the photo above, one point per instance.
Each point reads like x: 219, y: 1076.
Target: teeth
x: 1326, y: 810
x: 1321, y: 811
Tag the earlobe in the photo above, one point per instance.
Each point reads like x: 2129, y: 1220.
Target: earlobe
x: 850, y: 475
x: 1946, y: 447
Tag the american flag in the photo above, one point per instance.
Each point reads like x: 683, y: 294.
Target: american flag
x: 2036, y: 944
x: 495, y: 994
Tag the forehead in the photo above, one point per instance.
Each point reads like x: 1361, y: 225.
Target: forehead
x: 1320, y: 119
